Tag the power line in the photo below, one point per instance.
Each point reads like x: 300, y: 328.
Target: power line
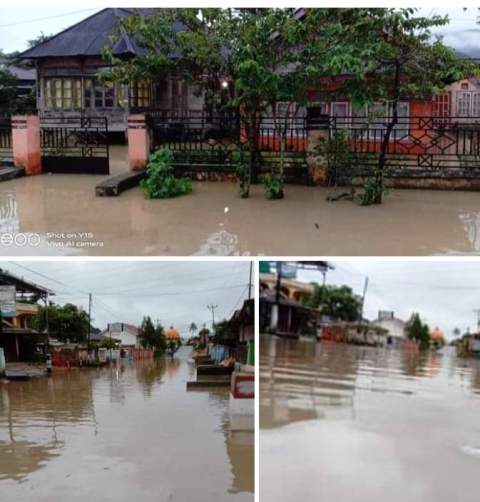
x: 48, y: 278
x: 38, y: 19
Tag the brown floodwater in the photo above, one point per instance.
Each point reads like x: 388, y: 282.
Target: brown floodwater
x: 60, y: 214
x: 122, y: 433
x: 361, y: 424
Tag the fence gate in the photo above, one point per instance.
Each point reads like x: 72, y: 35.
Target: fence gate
x: 5, y: 140
x: 75, y: 145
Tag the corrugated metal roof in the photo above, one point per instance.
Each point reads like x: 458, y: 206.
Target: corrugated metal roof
x: 90, y: 36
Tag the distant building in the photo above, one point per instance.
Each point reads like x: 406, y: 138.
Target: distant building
x: 172, y: 335
x: 69, y: 62
x: 17, y: 339
x: 291, y: 289
x: 394, y: 326
x: 127, y: 335
x: 287, y: 317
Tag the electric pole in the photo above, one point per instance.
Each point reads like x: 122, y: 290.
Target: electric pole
x: 89, y: 318
x: 250, y: 281
x: 212, y: 308
x: 477, y: 312
x: 365, y: 287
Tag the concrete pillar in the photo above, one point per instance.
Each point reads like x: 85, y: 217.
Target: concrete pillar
x: 138, y: 142
x: 26, y: 143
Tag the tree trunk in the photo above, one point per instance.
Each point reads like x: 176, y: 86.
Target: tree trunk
x: 379, y: 175
x: 252, y: 142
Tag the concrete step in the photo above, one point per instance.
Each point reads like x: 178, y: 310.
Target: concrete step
x: 8, y: 172
x: 115, y: 185
x: 208, y: 384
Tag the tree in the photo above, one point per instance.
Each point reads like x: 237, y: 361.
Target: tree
x: 224, y: 334
x: 67, y: 322
x: 153, y: 337
x: 336, y: 302
x: 204, y: 333
x: 8, y: 92
x: 395, y: 57
x: 266, y: 57
x: 193, y: 328
x: 416, y: 330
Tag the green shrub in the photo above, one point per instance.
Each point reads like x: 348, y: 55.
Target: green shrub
x: 161, y: 182
x: 273, y: 187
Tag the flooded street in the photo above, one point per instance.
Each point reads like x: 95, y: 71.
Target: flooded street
x: 359, y: 424
x: 121, y: 433
x: 64, y: 217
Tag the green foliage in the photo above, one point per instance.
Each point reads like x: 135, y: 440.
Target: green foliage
x: 338, y: 156
x: 65, y: 322
x: 193, y: 328
x: 161, y: 182
x: 418, y: 331
x: 372, y: 192
x: 153, y: 337
x: 107, y: 343
x: 225, y: 335
x: 337, y: 302
x: 273, y: 187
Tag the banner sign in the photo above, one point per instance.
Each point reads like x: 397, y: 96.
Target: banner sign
x: 7, y: 301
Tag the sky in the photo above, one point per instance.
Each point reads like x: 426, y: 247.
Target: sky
x: 17, y: 25
x: 445, y: 294
x: 175, y: 293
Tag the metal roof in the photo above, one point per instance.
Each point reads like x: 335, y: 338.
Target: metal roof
x: 90, y: 36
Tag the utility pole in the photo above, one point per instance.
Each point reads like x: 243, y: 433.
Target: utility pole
x: 46, y: 321
x: 250, y: 281
x: 89, y: 319
x: 365, y: 287
x: 212, y: 308
x: 477, y: 312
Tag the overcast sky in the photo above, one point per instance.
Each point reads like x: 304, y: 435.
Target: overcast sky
x: 445, y: 294
x: 175, y: 293
x: 17, y: 25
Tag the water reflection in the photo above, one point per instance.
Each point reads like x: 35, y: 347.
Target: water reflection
x: 359, y: 423
x: 131, y: 430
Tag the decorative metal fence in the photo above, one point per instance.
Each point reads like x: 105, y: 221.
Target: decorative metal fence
x: 418, y: 145
x: 76, y: 145
x: 219, y: 142
x: 5, y: 139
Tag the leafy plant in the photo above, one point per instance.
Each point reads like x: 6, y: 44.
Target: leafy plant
x: 161, y: 182
x: 337, y: 153
x: 372, y: 192
x: 273, y: 187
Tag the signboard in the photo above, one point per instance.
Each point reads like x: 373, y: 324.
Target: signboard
x: 7, y: 301
x: 289, y: 270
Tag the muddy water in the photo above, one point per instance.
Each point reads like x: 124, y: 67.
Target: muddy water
x: 62, y: 215
x: 358, y: 424
x: 122, y: 433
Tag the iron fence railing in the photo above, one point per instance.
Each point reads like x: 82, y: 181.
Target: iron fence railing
x: 415, y: 142
x: 5, y: 138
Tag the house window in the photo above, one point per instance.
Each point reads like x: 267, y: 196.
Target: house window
x: 63, y: 93
x: 468, y: 104
x: 476, y: 104
x: 463, y: 104
x: 99, y: 95
x: 373, y: 120
x: 339, y: 110
x: 140, y: 94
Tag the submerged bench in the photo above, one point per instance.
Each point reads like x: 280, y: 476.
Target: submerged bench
x: 115, y: 185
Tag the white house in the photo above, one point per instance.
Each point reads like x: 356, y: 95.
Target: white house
x: 127, y: 334
x: 396, y: 327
